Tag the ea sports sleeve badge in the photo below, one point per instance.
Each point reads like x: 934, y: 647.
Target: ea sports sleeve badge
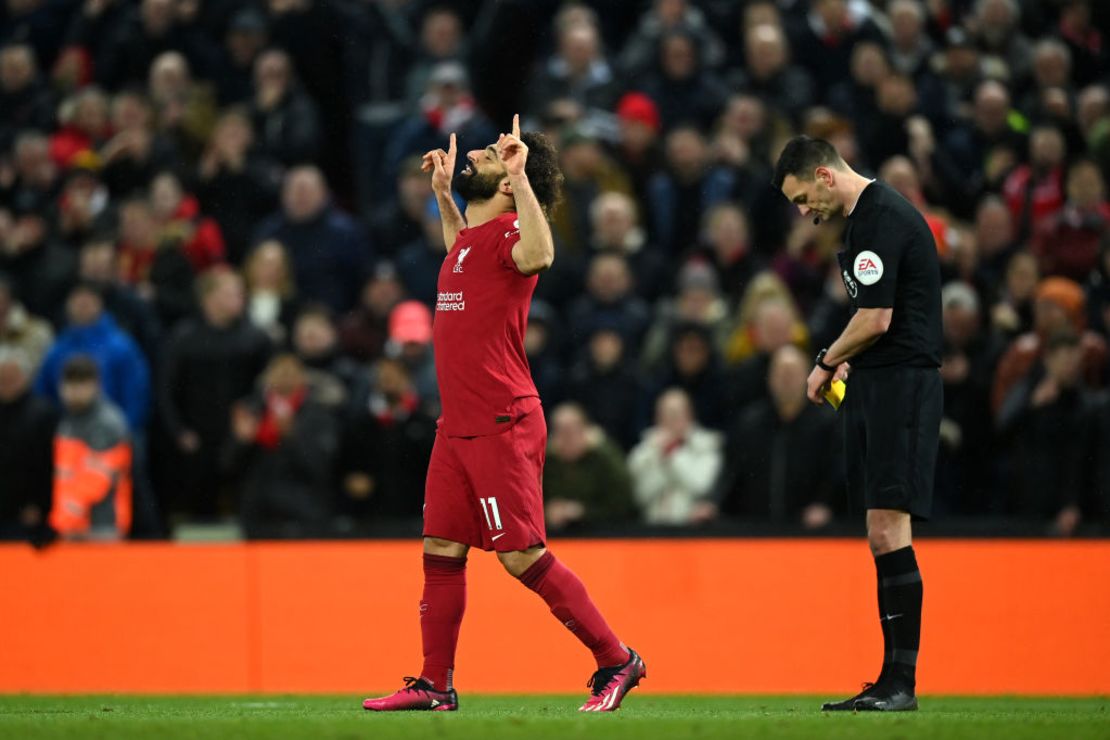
x: 834, y: 393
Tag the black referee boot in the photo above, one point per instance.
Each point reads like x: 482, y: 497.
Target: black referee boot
x: 886, y: 696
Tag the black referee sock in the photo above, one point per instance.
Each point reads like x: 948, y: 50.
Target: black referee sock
x: 900, y: 593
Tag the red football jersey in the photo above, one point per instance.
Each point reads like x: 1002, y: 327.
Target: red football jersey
x: 485, y: 383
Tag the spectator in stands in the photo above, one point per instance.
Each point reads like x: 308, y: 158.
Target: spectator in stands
x: 27, y: 425
x: 19, y: 330
x: 604, y: 380
x: 831, y: 311
x: 679, y: 197
x: 330, y: 375
x: 609, y: 298
x: 761, y: 479
x: 666, y: 16
x: 1047, y: 416
x: 179, y: 220
x: 998, y: 24
x: 578, y: 71
x: 398, y: 220
x: 1052, y: 82
x: 83, y: 127
x: 585, y: 480
x: 410, y: 341
x: 698, y: 301
x: 419, y: 260
x: 675, y: 466
x: 209, y: 363
x: 1068, y: 242
x: 161, y: 276
x: 768, y: 74
x: 694, y: 366
x: 615, y: 227
x: 365, y: 329
x: 1059, y: 306
x: 1035, y: 191
x: 123, y: 373
x: 387, y: 442
x: 286, y: 122
x: 684, y: 89
x: 966, y: 474
x: 137, y: 41
x: 98, y: 266
x: 588, y: 172
x: 638, y: 150
x: 823, y: 45
x: 1085, y: 42
x: 83, y: 208
x: 24, y: 98
x: 910, y: 45
x: 92, y: 459
x: 135, y: 152
x: 37, y: 177
x: 995, y: 238
x: 541, y: 346
x: 971, y: 157
x: 237, y: 185
x: 245, y: 39
x: 271, y: 293
x: 185, y: 111
x: 290, y: 443
x: 330, y: 252
x: 1098, y: 292
x: 726, y: 246
x: 1012, y: 313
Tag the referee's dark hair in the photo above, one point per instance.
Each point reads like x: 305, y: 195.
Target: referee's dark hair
x: 802, y: 155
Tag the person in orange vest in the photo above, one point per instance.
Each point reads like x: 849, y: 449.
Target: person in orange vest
x: 92, y: 459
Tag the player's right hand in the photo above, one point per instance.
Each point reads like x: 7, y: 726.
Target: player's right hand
x: 442, y: 166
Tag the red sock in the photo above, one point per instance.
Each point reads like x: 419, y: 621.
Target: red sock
x: 441, y: 613
x: 571, y: 605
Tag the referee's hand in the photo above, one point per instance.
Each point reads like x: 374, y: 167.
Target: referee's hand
x: 818, y: 381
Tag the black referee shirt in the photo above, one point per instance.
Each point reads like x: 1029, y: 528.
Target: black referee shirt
x: 890, y: 261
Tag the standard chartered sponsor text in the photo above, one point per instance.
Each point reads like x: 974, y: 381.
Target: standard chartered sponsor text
x: 447, y: 301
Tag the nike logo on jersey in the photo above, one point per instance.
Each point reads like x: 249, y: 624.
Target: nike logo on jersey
x: 494, y: 538
x: 462, y: 255
x: 890, y: 617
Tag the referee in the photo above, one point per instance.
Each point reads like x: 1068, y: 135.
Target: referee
x: 893, y: 405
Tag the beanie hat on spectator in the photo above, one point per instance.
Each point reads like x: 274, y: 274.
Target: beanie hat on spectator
x: 1065, y: 293
x: 410, y: 321
x: 636, y: 106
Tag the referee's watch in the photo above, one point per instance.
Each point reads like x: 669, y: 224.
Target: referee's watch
x: 821, y: 361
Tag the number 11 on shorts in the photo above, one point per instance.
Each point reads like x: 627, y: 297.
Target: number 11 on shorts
x: 491, y: 509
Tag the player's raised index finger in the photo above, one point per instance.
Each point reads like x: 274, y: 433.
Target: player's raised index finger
x: 451, y: 146
x: 516, y: 125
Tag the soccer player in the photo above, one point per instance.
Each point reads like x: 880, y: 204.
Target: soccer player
x: 893, y: 404
x: 484, y: 479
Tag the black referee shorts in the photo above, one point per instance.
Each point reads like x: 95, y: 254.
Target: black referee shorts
x: 891, y: 433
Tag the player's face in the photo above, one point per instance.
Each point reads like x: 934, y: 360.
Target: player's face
x: 482, y: 175
x: 813, y: 198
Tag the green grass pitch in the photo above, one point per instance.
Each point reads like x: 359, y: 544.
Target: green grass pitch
x: 540, y: 717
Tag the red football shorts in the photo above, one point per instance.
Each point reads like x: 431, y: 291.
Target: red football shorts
x: 487, y: 491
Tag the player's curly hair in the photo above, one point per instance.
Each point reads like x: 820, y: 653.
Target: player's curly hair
x: 542, y: 168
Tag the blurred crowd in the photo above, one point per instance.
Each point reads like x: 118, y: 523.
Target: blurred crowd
x: 218, y: 254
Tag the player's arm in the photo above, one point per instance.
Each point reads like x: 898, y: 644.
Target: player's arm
x: 442, y: 166
x: 536, y: 249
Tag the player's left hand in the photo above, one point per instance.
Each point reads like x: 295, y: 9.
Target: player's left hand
x: 512, y: 152
x: 818, y: 380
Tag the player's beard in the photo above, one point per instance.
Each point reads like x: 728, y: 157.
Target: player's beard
x: 478, y: 187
